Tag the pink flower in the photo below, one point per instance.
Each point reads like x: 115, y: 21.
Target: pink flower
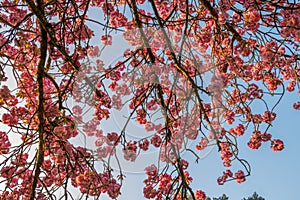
x: 4, y: 143
x: 239, y: 176
x: 202, y: 144
x: 144, y: 144
x: 102, y: 152
x: 238, y: 130
x: 114, y: 190
x: 277, y: 145
x: 156, y: 141
x: 9, y: 119
x: 106, y: 40
x: 200, y: 195
x: 251, y: 20
x: 130, y: 151
x: 149, y: 192
x: 100, y: 141
x: 149, y: 126
x: 296, y: 105
x: 268, y: 116
x: 113, y: 138
x: 93, y: 51
x: 151, y: 171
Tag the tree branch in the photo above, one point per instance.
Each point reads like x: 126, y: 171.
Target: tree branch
x: 40, y: 109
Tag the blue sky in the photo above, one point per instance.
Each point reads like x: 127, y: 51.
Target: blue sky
x: 274, y: 176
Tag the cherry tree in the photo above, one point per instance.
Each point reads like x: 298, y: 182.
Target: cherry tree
x: 55, y: 86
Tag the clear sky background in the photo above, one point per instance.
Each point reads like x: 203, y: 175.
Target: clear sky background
x: 274, y: 175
